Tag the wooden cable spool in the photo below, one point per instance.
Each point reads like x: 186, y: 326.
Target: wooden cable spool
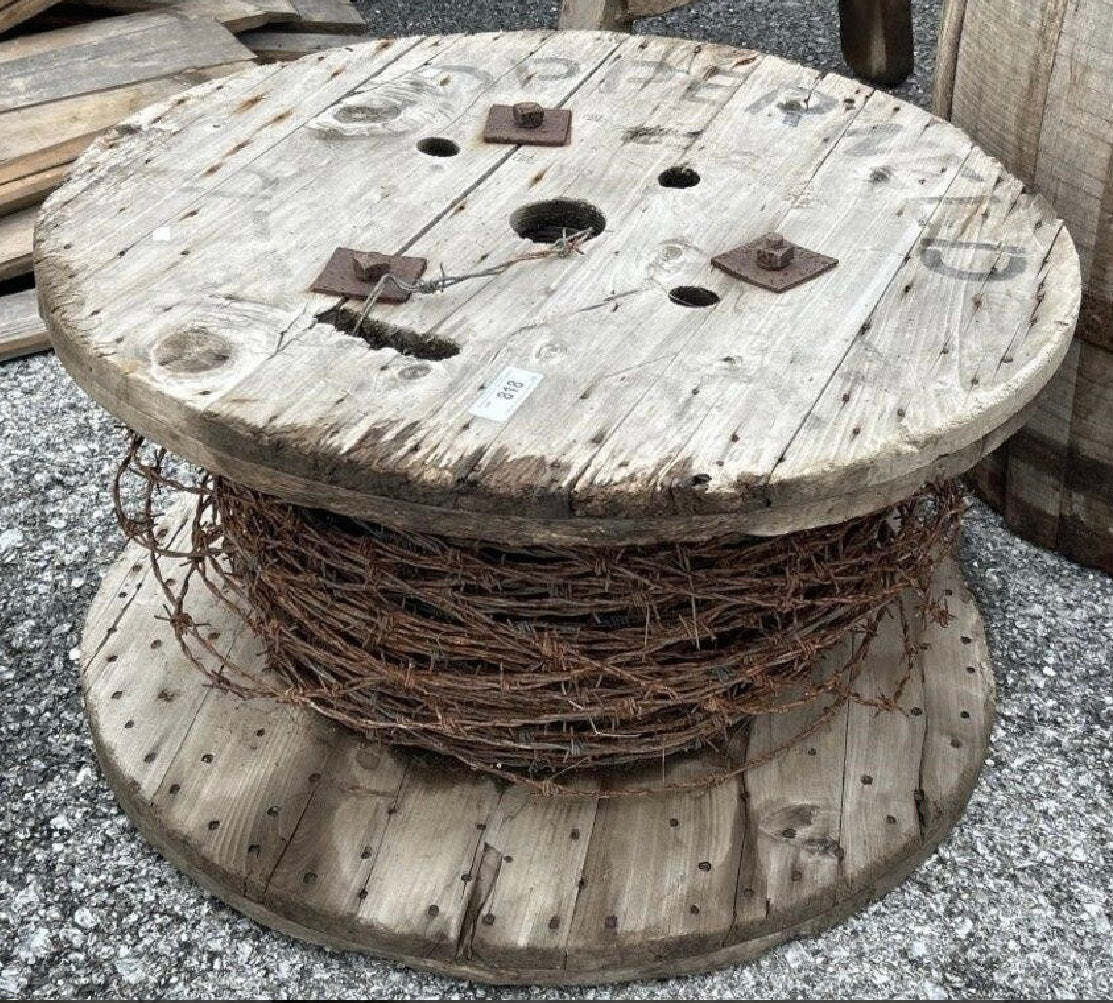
x: 1032, y: 84
x: 634, y: 393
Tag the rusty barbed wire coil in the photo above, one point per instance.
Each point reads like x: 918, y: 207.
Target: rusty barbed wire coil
x: 532, y: 663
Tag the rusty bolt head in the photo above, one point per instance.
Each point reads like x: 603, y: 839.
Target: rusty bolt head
x: 370, y: 266
x: 528, y: 115
x: 774, y: 253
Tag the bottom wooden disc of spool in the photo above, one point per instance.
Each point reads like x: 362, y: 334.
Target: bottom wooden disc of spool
x: 327, y: 836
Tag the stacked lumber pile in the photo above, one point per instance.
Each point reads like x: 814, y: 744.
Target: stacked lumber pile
x: 68, y: 71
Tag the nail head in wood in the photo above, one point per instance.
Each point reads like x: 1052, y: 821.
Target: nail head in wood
x: 775, y: 263
x: 528, y: 124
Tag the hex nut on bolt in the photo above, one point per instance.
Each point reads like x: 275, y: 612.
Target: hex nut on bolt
x: 775, y: 253
x: 528, y: 115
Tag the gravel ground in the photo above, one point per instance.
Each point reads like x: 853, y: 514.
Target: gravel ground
x: 1016, y: 904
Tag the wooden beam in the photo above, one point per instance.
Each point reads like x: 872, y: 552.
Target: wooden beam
x: 606, y: 15
x: 21, y: 330
x: 877, y: 39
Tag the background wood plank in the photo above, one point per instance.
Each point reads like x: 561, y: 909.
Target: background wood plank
x: 22, y: 332
x: 17, y: 231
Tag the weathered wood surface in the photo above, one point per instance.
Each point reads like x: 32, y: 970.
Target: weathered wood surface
x: 60, y: 89
x: 179, y: 298
x: 234, y: 15
x: 16, y: 237
x: 877, y: 39
x: 13, y: 12
x: 313, y: 830
x: 22, y: 332
x: 282, y: 46
x: 1032, y: 83
x: 338, y: 16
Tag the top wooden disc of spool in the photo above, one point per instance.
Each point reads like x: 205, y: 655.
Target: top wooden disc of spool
x: 174, y: 271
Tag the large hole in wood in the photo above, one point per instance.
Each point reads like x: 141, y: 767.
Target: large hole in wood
x: 548, y: 222
x: 693, y: 296
x: 438, y: 146
x: 678, y: 177
x: 380, y: 334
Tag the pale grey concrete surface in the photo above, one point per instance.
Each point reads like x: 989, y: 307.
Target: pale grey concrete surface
x: 1017, y: 903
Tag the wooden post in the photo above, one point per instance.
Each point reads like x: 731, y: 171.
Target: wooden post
x: 877, y: 39
x: 608, y: 15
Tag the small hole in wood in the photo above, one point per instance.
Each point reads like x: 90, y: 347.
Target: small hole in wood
x: 508, y: 859
x: 112, y: 658
x: 554, y: 922
x: 956, y: 743
x: 465, y: 877
x: 260, y: 732
x: 129, y: 724
x: 797, y: 875
x: 971, y: 669
x: 694, y: 910
x: 433, y: 910
x: 309, y: 878
x: 693, y: 296
x: 361, y: 894
x: 678, y: 177
x: 214, y: 824
x: 867, y: 779
x: 214, y: 635
x: 438, y: 146
x: 964, y: 714
x: 891, y: 819
x: 254, y: 850
x: 174, y: 788
x: 674, y: 822
x: 207, y: 757
x: 149, y: 758
x: 811, y: 752
x: 705, y: 865
x: 611, y: 922
x: 547, y: 222
x: 488, y: 918
x: 314, y: 778
x: 273, y: 810
x: 116, y: 694
x: 156, y: 643
x: 574, y: 834
x: 916, y: 711
x: 788, y: 833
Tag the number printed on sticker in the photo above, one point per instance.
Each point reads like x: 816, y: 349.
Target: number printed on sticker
x: 506, y: 394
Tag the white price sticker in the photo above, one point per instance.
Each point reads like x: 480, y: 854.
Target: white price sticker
x: 503, y: 397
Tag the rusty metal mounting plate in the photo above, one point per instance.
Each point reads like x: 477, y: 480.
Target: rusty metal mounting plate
x: 804, y: 266
x: 339, y: 277
x: 555, y: 128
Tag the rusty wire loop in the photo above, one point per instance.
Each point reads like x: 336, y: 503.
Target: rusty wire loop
x: 532, y: 663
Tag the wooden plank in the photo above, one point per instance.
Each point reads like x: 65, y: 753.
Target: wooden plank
x: 30, y: 189
x: 594, y: 15
x: 13, y: 12
x: 946, y: 56
x: 335, y: 16
x: 234, y: 15
x: 17, y: 232
x: 1086, y: 530
x: 110, y: 54
x: 1038, y: 454
x: 281, y: 46
x: 22, y: 332
x: 651, y: 8
x: 46, y: 136
x: 877, y: 39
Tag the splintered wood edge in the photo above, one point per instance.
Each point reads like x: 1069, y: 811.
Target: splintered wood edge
x: 947, y: 738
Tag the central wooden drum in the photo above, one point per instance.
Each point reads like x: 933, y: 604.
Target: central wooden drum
x: 629, y: 386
